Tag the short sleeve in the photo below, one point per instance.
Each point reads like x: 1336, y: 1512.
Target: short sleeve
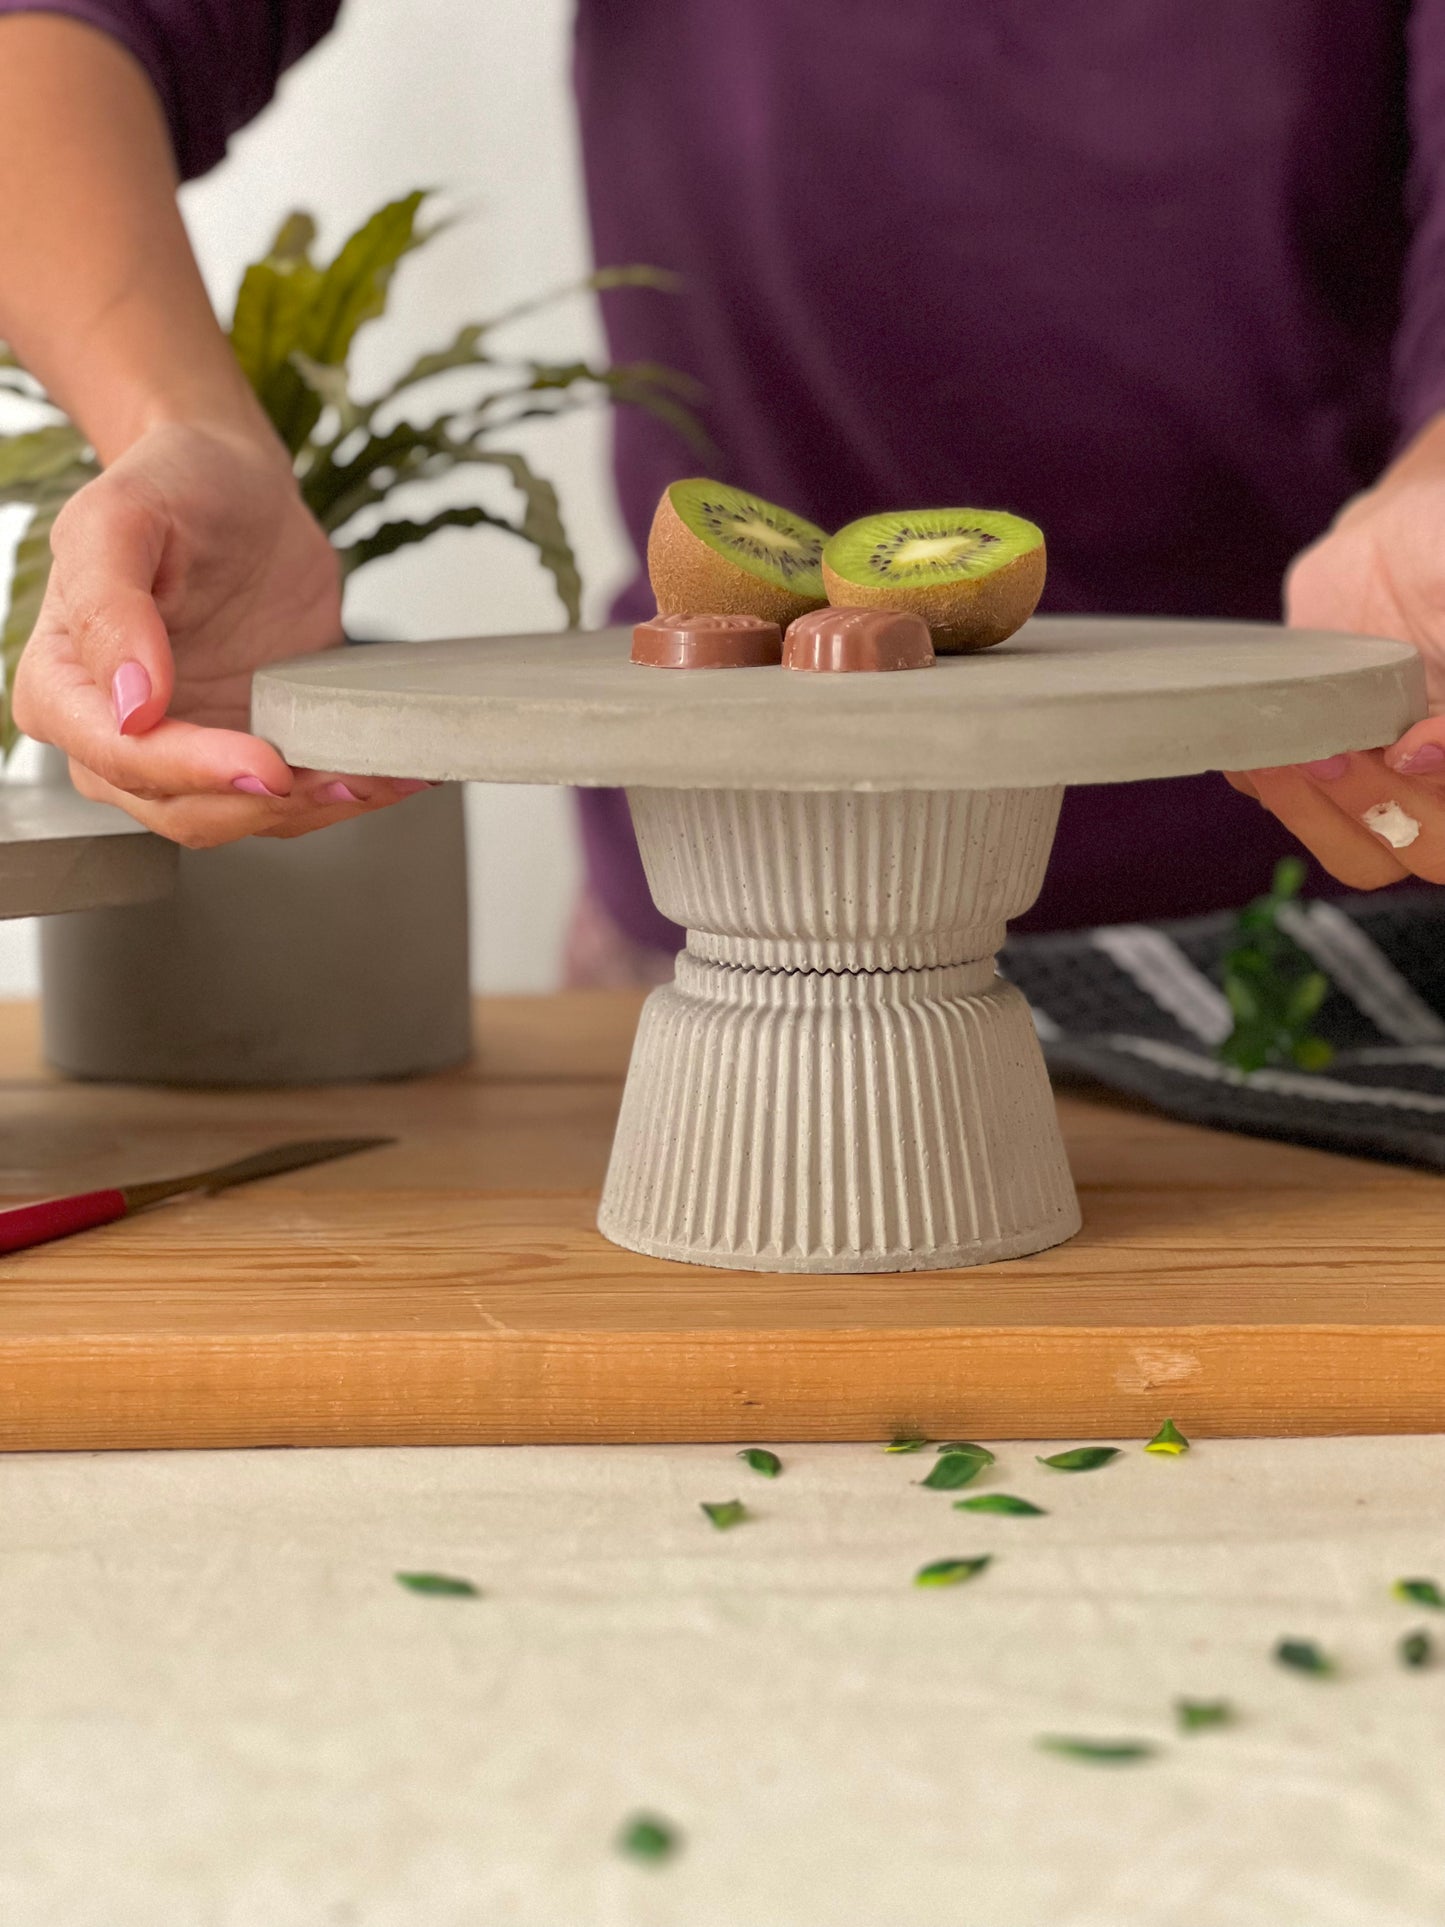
x: 213, y: 63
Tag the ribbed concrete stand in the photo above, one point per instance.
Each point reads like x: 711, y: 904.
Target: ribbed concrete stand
x: 838, y: 1080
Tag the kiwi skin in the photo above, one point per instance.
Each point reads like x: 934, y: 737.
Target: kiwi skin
x: 965, y: 616
x: 689, y: 578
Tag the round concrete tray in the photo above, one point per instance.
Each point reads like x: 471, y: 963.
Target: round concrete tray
x: 1067, y: 700
x: 59, y: 852
x: 838, y: 1079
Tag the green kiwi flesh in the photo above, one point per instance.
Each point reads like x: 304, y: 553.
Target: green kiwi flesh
x: 718, y: 549
x: 974, y: 575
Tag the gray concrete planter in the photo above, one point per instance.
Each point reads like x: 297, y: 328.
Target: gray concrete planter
x: 332, y: 958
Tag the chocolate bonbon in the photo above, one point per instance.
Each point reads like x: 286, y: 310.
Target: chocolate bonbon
x: 707, y: 642
x: 868, y: 639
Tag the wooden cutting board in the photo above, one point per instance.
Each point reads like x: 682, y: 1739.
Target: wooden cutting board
x: 452, y: 1288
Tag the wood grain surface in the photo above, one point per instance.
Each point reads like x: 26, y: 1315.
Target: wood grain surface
x: 452, y: 1287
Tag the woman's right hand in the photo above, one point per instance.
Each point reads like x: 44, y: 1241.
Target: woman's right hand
x: 187, y: 565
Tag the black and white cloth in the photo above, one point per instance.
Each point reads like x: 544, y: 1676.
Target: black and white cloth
x: 1139, y: 1007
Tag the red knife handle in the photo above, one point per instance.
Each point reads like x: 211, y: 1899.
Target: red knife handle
x: 36, y: 1224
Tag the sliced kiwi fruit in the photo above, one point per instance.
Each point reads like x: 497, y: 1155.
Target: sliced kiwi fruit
x: 974, y: 575
x: 720, y: 550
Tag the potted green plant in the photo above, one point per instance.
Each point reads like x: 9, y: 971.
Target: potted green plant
x: 341, y: 955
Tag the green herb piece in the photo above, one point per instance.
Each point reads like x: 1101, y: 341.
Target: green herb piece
x: 951, y: 1572
x: 1195, y: 1715
x: 761, y: 1460
x: 439, y: 1585
x: 1082, y: 1458
x: 1004, y: 1502
x: 905, y: 1445
x: 1168, y: 1439
x: 1273, y: 988
x: 725, y: 1513
x: 953, y: 1470
x: 1419, y: 1592
x: 646, y: 1837
x: 1097, y: 1752
x: 1416, y: 1649
x: 967, y: 1445
x: 1305, y: 1657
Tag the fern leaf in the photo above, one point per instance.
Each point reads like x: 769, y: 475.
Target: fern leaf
x: 403, y: 534
x: 28, y: 581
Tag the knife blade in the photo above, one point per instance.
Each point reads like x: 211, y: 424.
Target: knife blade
x: 26, y: 1225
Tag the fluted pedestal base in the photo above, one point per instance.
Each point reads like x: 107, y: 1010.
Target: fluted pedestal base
x: 838, y: 1080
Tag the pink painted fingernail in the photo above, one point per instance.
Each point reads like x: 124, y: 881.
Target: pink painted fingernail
x: 130, y: 686
x: 1327, y: 769
x: 340, y: 793
x: 252, y: 786
x: 409, y: 785
x: 1423, y: 756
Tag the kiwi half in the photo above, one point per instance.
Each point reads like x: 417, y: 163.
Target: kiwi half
x: 974, y: 575
x: 722, y: 550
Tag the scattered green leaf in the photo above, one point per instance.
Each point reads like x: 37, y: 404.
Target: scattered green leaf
x: 725, y: 1513
x: 967, y: 1445
x: 1419, y: 1592
x: 1082, y: 1458
x: 951, y: 1572
x: 1304, y: 1656
x: 904, y: 1444
x: 439, y: 1585
x: 1097, y: 1752
x: 1168, y: 1439
x: 646, y: 1837
x: 953, y: 1470
x: 1003, y: 1502
x: 1416, y: 1649
x: 761, y: 1460
x: 1195, y: 1715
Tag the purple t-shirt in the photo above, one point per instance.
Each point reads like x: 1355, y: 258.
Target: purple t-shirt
x: 1167, y: 278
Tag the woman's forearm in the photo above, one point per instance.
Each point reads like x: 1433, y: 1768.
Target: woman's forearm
x: 100, y: 295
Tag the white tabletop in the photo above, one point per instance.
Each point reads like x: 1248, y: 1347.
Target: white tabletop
x: 220, y: 1709
x: 1067, y: 700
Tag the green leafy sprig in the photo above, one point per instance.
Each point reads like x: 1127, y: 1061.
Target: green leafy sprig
x: 1273, y: 988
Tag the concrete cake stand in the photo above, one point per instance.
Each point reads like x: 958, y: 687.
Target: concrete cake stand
x: 838, y: 1080
x: 59, y: 852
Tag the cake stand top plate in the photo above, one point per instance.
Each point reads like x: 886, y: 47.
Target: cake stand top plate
x: 1067, y: 700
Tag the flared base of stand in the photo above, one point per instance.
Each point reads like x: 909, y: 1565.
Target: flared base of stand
x: 837, y: 1122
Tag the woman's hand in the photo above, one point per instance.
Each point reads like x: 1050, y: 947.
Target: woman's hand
x: 1378, y: 571
x: 190, y: 563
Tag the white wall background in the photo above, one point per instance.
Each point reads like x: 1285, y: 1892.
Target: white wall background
x: 472, y: 98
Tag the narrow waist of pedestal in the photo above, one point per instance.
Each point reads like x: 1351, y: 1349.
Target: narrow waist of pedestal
x: 817, y: 989
x: 892, y: 950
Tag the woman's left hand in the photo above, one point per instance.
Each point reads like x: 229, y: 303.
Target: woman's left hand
x: 1375, y: 816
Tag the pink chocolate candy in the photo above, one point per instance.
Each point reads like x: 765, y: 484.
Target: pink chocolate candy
x: 840, y: 639
x: 707, y: 642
